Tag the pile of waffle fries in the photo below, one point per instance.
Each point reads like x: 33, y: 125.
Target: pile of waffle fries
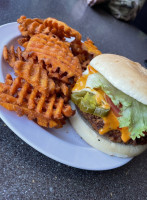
x: 46, y: 70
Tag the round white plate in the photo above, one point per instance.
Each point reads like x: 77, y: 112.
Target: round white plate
x: 62, y: 145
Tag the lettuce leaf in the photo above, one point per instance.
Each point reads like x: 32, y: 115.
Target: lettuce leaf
x: 133, y: 113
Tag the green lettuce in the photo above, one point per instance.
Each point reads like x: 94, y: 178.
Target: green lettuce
x: 133, y: 114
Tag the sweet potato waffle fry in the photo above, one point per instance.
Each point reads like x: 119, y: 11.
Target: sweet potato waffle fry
x: 33, y: 73
x: 23, y: 41
x: 89, y: 46
x: 19, y: 96
x: 29, y: 27
x: 55, y: 53
x: 46, y: 70
x: 84, y: 51
x: 61, y: 29
x: 11, y: 55
x: 38, y: 78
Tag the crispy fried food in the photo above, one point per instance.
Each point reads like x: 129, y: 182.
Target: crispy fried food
x: 19, y: 96
x: 11, y: 55
x: 84, y: 51
x: 89, y: 46
x: 55, y: 54
x: 23, y: 41
x: 61, y: 29
x: 46, y: 70
x: 29, y: 27
x: 35, y: 75
x: 38, y: 78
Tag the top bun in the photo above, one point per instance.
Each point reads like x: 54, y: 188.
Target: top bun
x: 128, y: 76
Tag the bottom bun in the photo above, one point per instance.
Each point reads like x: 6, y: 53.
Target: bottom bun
x: 102, y: 143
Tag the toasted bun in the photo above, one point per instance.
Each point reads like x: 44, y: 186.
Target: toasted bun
x: 128, y: 76
x: 101, y: 142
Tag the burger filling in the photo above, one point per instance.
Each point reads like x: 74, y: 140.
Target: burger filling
x: 114, y: 135
x: 110, y: 112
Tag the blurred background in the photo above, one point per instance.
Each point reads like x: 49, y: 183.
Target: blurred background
x: 141, y: 19
x: 131, y: 11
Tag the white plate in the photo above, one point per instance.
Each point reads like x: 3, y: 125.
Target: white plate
x: 62, y: 145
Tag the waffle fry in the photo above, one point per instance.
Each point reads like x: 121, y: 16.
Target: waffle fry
x: 19, y: 96
x: 38, y: 78
x: 35, y: 75
x: 89, y: 46
x: 23, y: 41
x: 85, y: 52
x: 29, y: 27
x: 61, y: 29
x: 55, y: 53
x: 11, y: 55
x: 46, y: 70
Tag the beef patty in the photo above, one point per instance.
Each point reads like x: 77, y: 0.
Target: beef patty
x: 113, y: 135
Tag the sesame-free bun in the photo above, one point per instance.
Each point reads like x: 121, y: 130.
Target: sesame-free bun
x: 127, y: 76
x: 100, y: 142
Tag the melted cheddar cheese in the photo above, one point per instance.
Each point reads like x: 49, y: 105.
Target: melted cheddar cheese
x: 125, y: 134
x: 110, y: 121
x: 81, y: 82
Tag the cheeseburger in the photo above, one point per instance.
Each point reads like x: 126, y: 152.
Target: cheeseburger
x: 111, y: 103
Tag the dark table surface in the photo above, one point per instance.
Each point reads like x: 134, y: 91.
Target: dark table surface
x: 26, y: 173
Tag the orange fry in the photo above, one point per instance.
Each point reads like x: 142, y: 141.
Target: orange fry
x: 54, y: 53
x: 29, y: 27
x: 23, y: 41
x: 35, y: 75
x: 84, y: 51
x: 11, y: 56
x: 61, y: 29
x: 19, y: 96
x: 89, y: 46
x: 47, y: 66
